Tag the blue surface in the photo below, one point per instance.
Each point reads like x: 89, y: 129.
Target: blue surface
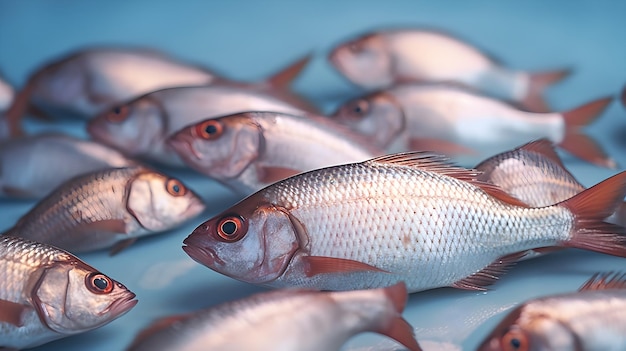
x: 249, y: 40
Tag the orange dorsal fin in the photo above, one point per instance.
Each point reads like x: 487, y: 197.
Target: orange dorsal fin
x: 545, y: 148
x: 605, y: 281
x: 286, y: 76
x: 321, y: 265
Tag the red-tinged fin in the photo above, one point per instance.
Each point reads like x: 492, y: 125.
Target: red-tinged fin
x: 538, y: 82
x: 121, y: 245
x: 315, y: 265
x: 547, y: 249
x: 401, y: 331
x: 579, y: 144
x: 487, y: 276
x: 284, y: 78
x: 605, y: 281
x: 155, y: 328
x: 12, y: 313
x: 397, y: 294
x: 590, y: 208
x: 439, y: 146
x: 545, y: 148
x: 269, y: 175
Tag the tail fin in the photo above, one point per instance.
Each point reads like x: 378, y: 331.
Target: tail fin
x: 619, y: 217
x: 286, y: 76
x: 538, y: 82
x: 579, y: 144
x: 590, y: 208
x: 398, y: 328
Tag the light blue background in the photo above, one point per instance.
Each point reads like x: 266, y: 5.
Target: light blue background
x: 248, y: 41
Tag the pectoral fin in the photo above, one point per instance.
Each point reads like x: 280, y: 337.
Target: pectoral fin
x: 490, y: 274
x: 12, y: 313
x: 319, y: 265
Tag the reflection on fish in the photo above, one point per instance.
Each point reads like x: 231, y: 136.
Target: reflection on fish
x: 90, y: 81
x: 452, y: 120
x: 141, y: 127
x: 33, y: 166
x: 380, y: 59
x: 593, y: 318
x: 251, y: 150
x: 47, y: 294
x: 298, y: 320
x: 110, y: 207
x: 407, y: 217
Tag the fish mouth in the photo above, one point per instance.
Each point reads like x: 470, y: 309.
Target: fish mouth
x: 182, y: 145
x: 122, y: 305
x: 203, y: 255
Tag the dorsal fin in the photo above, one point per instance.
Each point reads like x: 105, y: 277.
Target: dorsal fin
x: 441, y: 164
x: 605, y: 281
x: 545, y: 148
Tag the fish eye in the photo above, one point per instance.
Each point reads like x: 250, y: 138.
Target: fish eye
x: 210, y: 129
x: 515, y: 340
x: 175, y: 188
x: 118, y: 114
x: 99, y: 283
x: 359, y: 108
x: 231, y: 228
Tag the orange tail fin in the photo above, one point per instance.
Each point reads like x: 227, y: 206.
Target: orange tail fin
x: 590, y: 208
x: 538, y: 82
x: 579, y: 144
x: 286, y: 76
x: 399, y: 329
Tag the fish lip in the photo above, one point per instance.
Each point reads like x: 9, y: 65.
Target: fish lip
x: 203, y: 255
x: 182, y: 146
x: 122, y: 305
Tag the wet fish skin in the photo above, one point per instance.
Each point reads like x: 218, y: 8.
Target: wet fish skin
x: 48, y: 294
x: 251, y: 150
x: 453, y: 120
x: 108, y: 208
x: 407, y: 217
x: 141, y: 127
x: 33, y: 166
x: 284, y: 320
x: 589, y: 319
x: 382, y: 58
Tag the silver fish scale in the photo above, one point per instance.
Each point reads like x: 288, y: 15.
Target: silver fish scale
x: 97, y: 197
x: 425, y: 228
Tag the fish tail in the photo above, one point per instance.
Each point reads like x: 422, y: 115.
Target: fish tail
x: 619, y: 217
x: 579, y: 144
x: 286, y: 76
x: 590, y: 208
x: 538, y: 82
x: 398, y: 328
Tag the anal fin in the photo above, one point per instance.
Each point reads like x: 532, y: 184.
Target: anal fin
x: 490, y: 274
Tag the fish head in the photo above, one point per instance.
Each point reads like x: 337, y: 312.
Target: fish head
x: 221, y: 148
x: 159, y: 202
x: 133, y: 128
x: 366, y: 61
x: 72, y: 297
x: 254, y: 241
x: 524, y: 330
x: 378, y: 116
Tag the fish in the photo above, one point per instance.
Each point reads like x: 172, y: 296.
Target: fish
x: 251, y: 150
x: 448, y: 119
x: 109, y: 208
x: 140, y: 128
x: 411, y: 217
x: 89, y: 81
x: 48, y: 294
x: 535, y: 174
x: 592, y: 318
x: 33, y: 166
x: 383, y: 58
x: 291, y: 319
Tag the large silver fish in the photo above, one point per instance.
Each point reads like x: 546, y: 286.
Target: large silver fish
x: 111, y: 207
x: 452, y: 120
x: 297, y: 320
x: 141, y: 127
x: 406, y: 217
x: 33, y: 166
x: 594, y: 318
x: 47, y: 294
x: 92, y: 80
x: 380, y: 59
x: 251, y: 150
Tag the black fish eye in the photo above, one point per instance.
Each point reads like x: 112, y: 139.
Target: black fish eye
x: 117, y: 110
x: 229, y: 227
x: 210, y: 129
x: 99, y: 283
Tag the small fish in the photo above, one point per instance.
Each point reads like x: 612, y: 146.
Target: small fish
x: 451, y: 120
x: 48, y: 294
x: 380, y: 59
x: 249, y: 151
x: 298, y: 320
x: 407, y: 217
x: 141, y: 127
x: 594, y: 318
x: 33, y: 166
x: 90, y: 81
x: 111, y: 207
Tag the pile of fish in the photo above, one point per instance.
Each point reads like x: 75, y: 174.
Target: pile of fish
x: 365, y: 199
